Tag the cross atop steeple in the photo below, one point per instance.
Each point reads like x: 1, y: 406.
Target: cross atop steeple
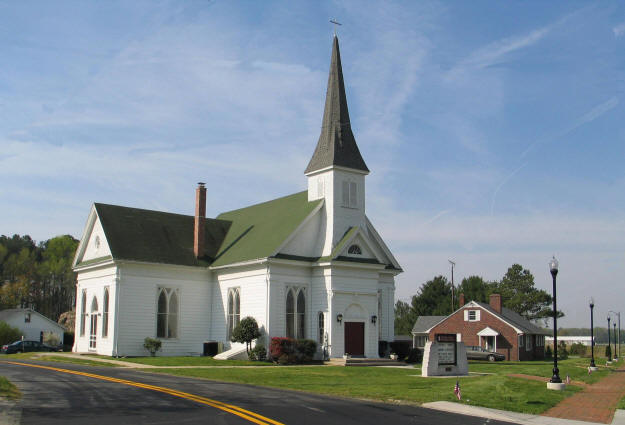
x: 336, y: 144
x: 336, y: 23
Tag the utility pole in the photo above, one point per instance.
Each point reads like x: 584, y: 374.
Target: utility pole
x: 452, y: 285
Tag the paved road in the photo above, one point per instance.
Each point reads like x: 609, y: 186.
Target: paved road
x: 54, y: 397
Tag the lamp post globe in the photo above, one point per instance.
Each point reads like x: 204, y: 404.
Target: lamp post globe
x: 553, y: 268
x: 592, y: 335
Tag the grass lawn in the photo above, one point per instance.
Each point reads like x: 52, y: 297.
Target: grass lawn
x: 190, y: 361
x: 621, y: 404
x: 54, y: 358
x: 402, y: 385
x: 8, y: 390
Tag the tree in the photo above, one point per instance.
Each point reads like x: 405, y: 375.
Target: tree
x: 405, y: 318
x: 475, y: 288
x: 245, y: 332
x: 519, y: 294
x: 434, y: 298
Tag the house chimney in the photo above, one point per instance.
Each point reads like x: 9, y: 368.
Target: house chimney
x: 495, y: 302
x: 200, y: 220
x: 460, y: 300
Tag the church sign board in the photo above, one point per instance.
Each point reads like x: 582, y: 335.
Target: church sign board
x: 444, y: 356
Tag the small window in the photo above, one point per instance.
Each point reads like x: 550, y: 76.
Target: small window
x: 320, y: 188
x: 521, y: 339
x: 528, y: 342
x: 321, y: 328
x: 474, y: 315
x: 355, y: 250
x: 27, y: 318
x: 350, y: 194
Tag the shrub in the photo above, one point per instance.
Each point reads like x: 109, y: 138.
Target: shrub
x: 608, y: 352
x: 258, y: 353
x: 563, y: 353
x: 51, y: 339
x: 246, y: 332
x: 401, y: 348
x: 9, y: 334
x: 577, y: 349
x: 548, y: 352
x: 382, y: 348
x: 152, y: 345
x: 291, y: 351
x: 415, y: 355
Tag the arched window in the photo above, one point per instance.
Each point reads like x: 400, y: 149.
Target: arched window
x: 167, y: 313
x: 83, y: 313
x: 354, y: 249
x: 105, y: 314
x: 295, y: 313
x: 93, y: 331
x: 321, y: 320
x: 290, y: 315
x: 301, y: 309
x: 234, y: 309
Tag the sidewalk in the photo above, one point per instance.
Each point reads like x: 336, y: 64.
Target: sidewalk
x: 596, y: 402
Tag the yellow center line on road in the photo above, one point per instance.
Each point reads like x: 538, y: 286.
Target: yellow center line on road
x: 235, y: 410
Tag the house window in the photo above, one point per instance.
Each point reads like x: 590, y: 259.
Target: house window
x: 540, y: 340
x: 528, y: 342
x: 321, y: 320
x: 521, y: 339
x: 83, y: 313
x: 234, y: 309
x: 105, y: 314
x: 295, y: 313
x: 167, y: 314
x: 27, y: 318
x: 471, y: 315
x: 350, y: 194
x: 355, y: 250
x: 420, y: 341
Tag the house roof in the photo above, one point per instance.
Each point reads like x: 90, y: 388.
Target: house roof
x: 259, y: 230
x: 336, y: 144
x: 515, y: 319
x: 425, y: 323
x: 157, y: 237
x: 9, y: 312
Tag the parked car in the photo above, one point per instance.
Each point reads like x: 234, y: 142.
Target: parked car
x: 26, y: 346
x: 475, y: 352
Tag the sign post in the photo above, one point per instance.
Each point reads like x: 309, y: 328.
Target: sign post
x: 444, y: 356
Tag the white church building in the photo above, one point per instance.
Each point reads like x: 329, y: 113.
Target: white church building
x: 307, y: 265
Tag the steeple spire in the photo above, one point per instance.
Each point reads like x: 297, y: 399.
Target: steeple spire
x: 336, y: 145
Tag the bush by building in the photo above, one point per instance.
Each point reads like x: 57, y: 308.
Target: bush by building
x: 9, y: 334
x: 258, y: 353
x: 292, y: 351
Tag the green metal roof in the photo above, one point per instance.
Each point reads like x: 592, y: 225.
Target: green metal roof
x: 157, y: 237
x: 259, y: 230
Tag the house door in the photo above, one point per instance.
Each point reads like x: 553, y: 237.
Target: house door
x: 93, y: 331
x: 355, y: 338
x: 490, y: 343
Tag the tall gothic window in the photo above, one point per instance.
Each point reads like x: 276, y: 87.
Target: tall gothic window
x: 295, y: 313
x: 83, y: 313
x: 321, y: 325
x: 105, y: 314
x: 167, y: 313
x: 234, y: 309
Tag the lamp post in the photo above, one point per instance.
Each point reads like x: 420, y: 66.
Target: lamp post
x: 592, y: 337
x: 614, y: 352
x: 618, y: 315
x: 555, y: 379
x: 609, y: 358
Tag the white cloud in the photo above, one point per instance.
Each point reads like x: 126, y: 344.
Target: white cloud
x: 619, y: 30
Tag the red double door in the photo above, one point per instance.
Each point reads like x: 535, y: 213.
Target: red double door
x: 355, y: 338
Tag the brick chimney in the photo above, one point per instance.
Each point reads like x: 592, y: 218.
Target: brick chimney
x: 495, y: 302
x: 200, y: 220
x: 460, y: 300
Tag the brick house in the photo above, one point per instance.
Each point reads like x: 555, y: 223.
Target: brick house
x: 491, y: 326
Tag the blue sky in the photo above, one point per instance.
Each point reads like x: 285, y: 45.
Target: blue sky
x: 494, y: 130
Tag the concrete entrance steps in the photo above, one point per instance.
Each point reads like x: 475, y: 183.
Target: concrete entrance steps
x: 361, y: 361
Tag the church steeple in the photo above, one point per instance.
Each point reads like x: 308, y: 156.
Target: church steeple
x: 336, y: 145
